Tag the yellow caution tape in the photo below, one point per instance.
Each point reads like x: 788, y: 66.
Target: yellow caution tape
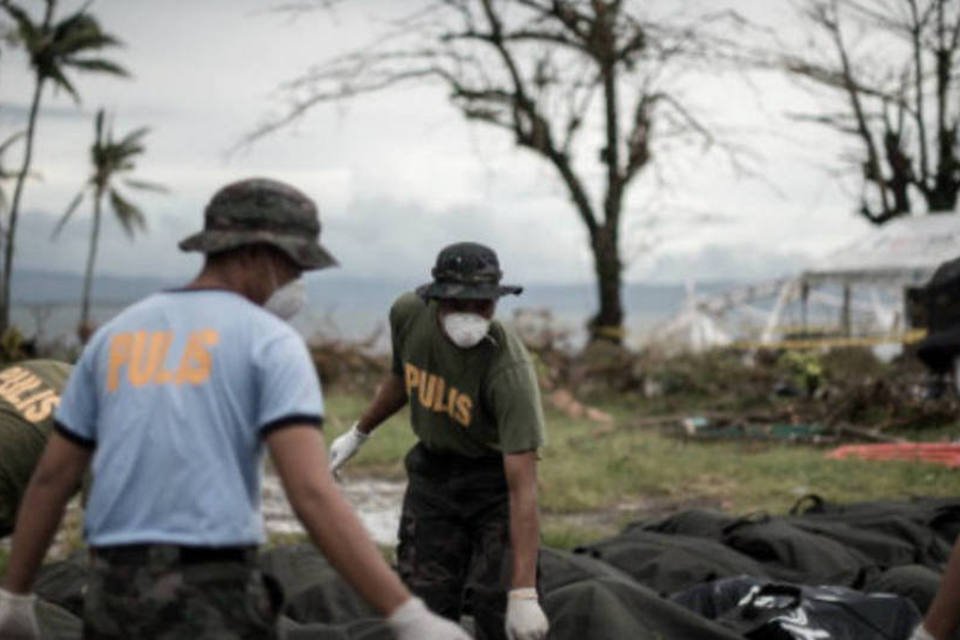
x: 610, y: 331
x: 910, y: 337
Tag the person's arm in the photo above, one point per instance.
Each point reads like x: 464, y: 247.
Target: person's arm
x: 298, y: 455
x: 525, y: 619
x: 389, y: 398
x: 521, y: 472
x: 943, y: 616
x: 56, y: 478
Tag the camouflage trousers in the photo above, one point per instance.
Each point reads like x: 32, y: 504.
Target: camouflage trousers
x: 454, y: 549
x: 158, y: 592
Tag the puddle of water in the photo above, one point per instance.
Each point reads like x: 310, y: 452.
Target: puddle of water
x: 377, y: 503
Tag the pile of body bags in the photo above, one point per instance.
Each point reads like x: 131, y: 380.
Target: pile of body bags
x: 846, y: 572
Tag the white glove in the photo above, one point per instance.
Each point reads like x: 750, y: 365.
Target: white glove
x: 17, y: 618
x: 525, y: 619
x: 921, y: 633
x: 345, y: 447
x: 413, y: 621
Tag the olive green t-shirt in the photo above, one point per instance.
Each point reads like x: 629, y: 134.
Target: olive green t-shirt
x: 471, y: 402
x: 29, y: 394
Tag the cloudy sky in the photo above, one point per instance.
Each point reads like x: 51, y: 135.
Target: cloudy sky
x: 398, y: 175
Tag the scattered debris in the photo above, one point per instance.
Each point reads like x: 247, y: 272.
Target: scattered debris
x: 350, y: 365
x: 946, y: 454
x: 563, y: 400
x: 702, y: 428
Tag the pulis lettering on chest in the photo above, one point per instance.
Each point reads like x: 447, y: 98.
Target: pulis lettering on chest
x: 434, y: 394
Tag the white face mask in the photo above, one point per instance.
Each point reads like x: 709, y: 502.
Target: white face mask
x: 465, y: 330
x: 288, y: 300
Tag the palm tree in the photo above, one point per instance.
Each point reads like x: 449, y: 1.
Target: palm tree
x: 54, y: 48
x: 110, y: 159
x: 6, y: 174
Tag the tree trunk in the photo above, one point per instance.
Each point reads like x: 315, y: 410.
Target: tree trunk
x: 84, y: 329
x: 15, y: 208
x: 607, y: 324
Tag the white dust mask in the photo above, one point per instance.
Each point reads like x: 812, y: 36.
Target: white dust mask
x: 466, y: 330
x: 288, y: 300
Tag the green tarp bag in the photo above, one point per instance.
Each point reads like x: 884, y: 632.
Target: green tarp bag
x: 668, y: 563
x: 614, y: 609
x: 312, y: 590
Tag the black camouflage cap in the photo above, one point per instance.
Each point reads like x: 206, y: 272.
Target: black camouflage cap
x: 467, y: 271
x: 260, y: 210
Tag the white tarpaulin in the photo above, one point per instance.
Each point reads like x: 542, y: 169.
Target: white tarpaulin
x: 690, y: 331
x: 903, y: 252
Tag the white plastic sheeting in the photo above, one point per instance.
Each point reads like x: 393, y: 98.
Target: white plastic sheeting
x: 860, y: 285
x: 903, y: 252
x: 690, y: 331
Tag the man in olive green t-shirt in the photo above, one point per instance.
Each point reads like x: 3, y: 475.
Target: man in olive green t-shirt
x: 29, y: 393
x: 469, y: 521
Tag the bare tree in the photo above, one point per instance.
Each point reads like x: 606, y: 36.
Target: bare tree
x: 892, y: 63
x: 573, y: 81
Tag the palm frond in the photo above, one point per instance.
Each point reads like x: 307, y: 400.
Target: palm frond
x: 145, y: 185
x: 55, y: 75
x: 10, y: 141
x: 96, y: 64
x: 77, y: 199
x: 27, y: 30
x: 98, y: 127
x: 80, y: 32
x: 129, y: 214
x: 134, y: 137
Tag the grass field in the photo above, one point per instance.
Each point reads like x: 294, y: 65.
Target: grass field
x: 595, y: 478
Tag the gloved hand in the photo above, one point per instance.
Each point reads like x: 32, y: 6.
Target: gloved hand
x: 413, y: 621
x: 345, y: 447
x: 525, y: 619
x: 921, y: 633
x: 18, y: 621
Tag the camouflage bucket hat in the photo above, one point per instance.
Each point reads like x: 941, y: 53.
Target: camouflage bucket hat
x: 467, y: 271
x: 262, y: 211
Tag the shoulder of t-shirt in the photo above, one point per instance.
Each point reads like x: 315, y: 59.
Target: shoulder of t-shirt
x: 100, y: 335
x: 54, y: 372
x: 260, y: 322
x: 140, y: 306
x: 405, y: 308
x: 509, y: 351
x: 270, y: 332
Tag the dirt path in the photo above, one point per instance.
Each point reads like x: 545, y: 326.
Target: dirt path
x: 377, y: 502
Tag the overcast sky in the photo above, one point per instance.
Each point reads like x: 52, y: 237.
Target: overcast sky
x: 398, y: 175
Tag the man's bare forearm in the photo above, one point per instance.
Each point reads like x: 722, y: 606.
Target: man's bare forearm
x: 301, y: 462
x: 390, y: 397
x: 524, y: 517
x: 338, y: 532
x: 943, y: 616
x: 54, y: 481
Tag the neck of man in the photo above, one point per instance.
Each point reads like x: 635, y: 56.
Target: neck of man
x: 229, y: 277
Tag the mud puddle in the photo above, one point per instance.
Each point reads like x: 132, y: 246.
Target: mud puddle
x: 377, y: 502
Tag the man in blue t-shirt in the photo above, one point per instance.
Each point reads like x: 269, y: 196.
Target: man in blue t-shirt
x: 173, y: 401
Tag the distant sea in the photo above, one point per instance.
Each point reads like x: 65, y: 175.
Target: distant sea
x: 46, y: 304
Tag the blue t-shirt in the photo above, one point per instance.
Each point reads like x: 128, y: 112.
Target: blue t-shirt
x: 176, y: 394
